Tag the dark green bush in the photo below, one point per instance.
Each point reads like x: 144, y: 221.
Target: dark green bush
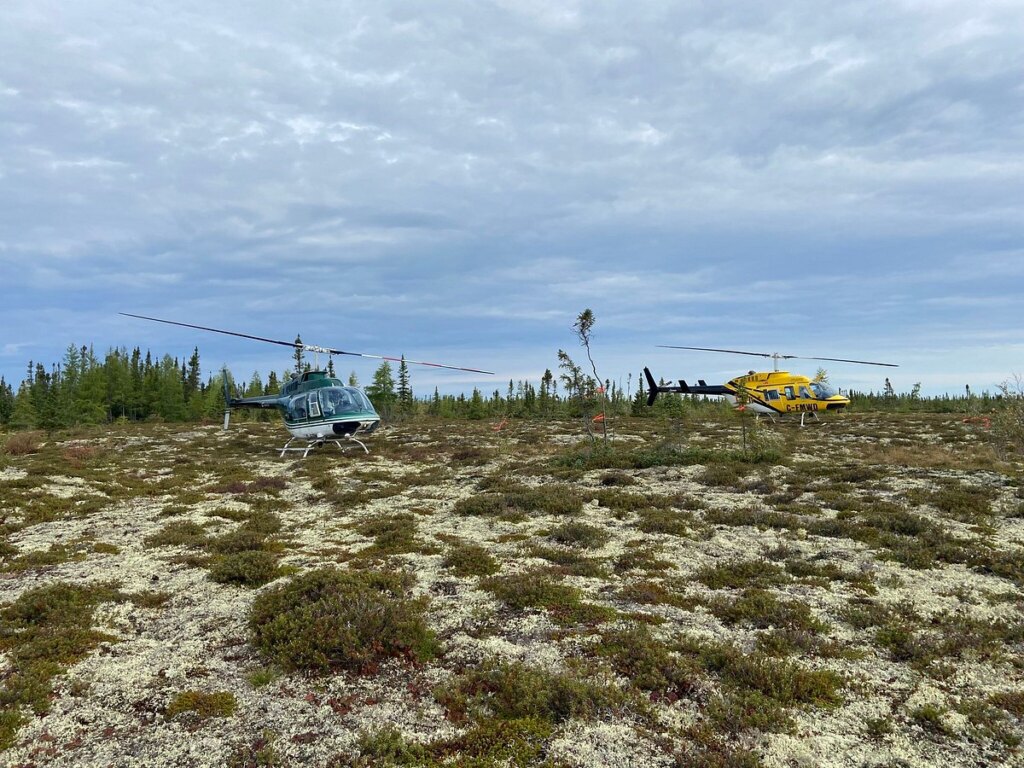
x: 647, y: 663
x: 249, y: 568
x: 178, y: 533
x: 575, y: 534
x: 522, y: 501
x: 516, y: 692
x: 470, y: 560
x: 42, y: 632
x: 330, y: 619
x: 740, y: 574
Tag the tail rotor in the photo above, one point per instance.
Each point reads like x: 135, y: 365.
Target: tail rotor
x: 653, y: 388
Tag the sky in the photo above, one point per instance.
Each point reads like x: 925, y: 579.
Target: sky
x: 456, y: 181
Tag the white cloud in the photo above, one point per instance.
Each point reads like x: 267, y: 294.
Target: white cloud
x: 482, y: 167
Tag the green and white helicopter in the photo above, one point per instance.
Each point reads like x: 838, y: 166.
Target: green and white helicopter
x: 315, y: 407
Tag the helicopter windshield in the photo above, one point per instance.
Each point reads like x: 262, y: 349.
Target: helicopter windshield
x: 340, y: 401
x: 822, y: 391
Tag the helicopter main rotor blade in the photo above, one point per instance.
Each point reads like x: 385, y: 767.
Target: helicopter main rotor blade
x: 781, y: 357
x: 730, y: 351
x: 291, y: 344
x: 309, y: 347
x: 844, y: 360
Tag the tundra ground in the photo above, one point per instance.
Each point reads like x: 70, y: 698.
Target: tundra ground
x: 846, y: 594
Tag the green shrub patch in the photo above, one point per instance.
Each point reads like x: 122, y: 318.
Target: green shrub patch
x: 339, y: 620
x: 43, y: 632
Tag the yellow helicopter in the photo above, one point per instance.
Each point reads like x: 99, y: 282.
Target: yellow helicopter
x: 772, y: 393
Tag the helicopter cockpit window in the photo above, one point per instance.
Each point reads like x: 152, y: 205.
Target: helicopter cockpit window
x: 297, y: 408
x: 336, y: 401
x: 340, y: 401
x: 314, y: 406
x: 822, y: 391
x: 790, y: 393
x: 805, y: 392
x: 359, y: 400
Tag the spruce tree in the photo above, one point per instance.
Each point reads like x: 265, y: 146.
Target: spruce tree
x: 273, y: 385
x: 476, y: 405
x: 299, y: 356
x: 92, y: 404
x: 382, y: 391
x: 135, y: 400
x: 192, y: 376
x: 170, y: 391
x: 6, y: 401
x: 24, y: 412
x: 405, y: 399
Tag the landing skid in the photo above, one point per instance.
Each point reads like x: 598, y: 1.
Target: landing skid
x: 318, y: 442
x: 803, y: 415
x: 814, y: 415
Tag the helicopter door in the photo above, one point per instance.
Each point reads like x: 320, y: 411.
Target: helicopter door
x: 297, y: 408
x: 314, y: 406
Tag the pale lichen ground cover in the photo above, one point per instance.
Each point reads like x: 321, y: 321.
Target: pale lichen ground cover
x: 699, y: 598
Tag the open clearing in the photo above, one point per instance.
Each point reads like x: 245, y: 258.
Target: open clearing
x: 848, y: 595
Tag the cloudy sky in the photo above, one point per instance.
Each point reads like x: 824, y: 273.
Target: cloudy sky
x: 457, y: 180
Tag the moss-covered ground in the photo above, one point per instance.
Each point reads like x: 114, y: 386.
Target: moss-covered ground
x: 850, y: 593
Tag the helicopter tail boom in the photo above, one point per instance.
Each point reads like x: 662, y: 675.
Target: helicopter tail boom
x: 702, y: 388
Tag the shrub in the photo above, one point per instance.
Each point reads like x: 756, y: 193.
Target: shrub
x: 740, y: 574
x: 574, y: 534
x: 43, y: 631
x: 1011, y: 701
x: 639, y: 557
x: 77, y: 455
x: 202, y: 705
x: 536, y: 589
x: 330, y: 619
x: 617, y: 478
x: 655, y: 593
x: 545, y: 500
x: 470, y: 560
x: 647, y: 663
x: 516, y: 691
x: 22, y: 443
x: 178, y: 533
x: 760, y: 608
x: 1008, y: 420
x: 392, y: 535
x: 742, y: 709
x: 662, y: 520
x: 237, y: 541
x: 249, y: 568
x: 931, y: 718
x: 532, y: 589
x: 567, y: 562
x: 722, y: 475
x: 387, y: 747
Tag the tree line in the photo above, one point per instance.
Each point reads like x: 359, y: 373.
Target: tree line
x: 128, y: 385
